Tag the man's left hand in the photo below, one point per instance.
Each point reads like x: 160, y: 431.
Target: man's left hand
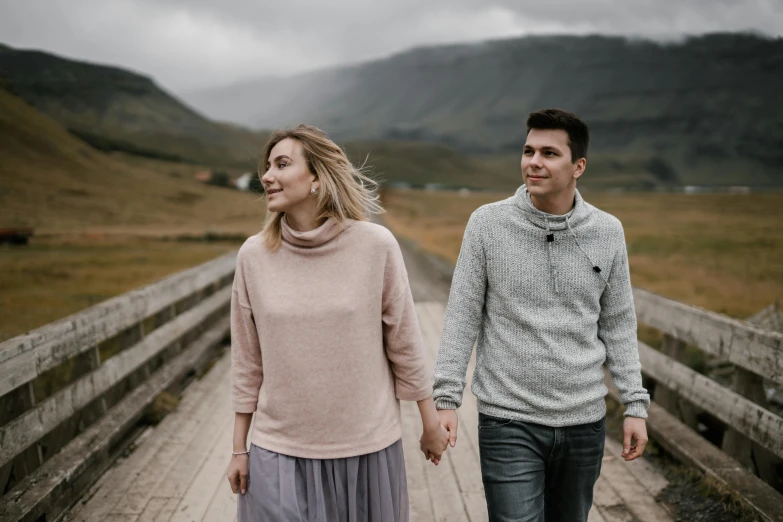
x: 634, y: 438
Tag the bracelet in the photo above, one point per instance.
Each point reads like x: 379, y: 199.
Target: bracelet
x: 235, y: 453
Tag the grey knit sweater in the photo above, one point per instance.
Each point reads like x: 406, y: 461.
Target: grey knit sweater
x: 547, y: 300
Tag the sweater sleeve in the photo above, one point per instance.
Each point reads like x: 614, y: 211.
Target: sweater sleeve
x: 401, y: 334
x: 246, y: 368
x: 617, y: 330
x: 464, y: 314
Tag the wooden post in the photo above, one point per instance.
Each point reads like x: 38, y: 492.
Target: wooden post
x: 748, y: 453
x: 38, y: 449
x: 669, y: 400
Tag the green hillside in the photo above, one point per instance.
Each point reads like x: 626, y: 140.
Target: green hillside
x: 50, y: 179
x: 114, y: 109
x: 703, y: 111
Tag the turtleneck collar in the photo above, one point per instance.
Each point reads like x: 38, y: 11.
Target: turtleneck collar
x: 545, y: 220
x: 313, y: 238
x: 553, y: 223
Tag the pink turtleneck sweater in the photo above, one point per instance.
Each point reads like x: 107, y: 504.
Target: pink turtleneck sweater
x: 325, y: 341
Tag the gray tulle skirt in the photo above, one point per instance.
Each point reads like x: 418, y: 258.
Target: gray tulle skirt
x: 367, y: 488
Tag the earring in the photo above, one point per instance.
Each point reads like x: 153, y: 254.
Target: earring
x: 313, y: 191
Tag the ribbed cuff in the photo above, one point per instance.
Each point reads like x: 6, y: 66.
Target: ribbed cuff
x: 445, y: 404
x: 245, y: 407
x: 636, y: 409
x: 414, y: 395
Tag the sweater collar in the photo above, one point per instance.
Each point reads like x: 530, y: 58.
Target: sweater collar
x: 544, y: 220
x: 313, y: 238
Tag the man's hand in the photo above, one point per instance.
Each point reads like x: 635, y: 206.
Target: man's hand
x: 448, y: 419
x: 634, y: 438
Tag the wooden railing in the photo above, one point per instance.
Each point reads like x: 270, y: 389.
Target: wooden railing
x: 756, y: 354
x: 751, y: 442
x: 72, y: 392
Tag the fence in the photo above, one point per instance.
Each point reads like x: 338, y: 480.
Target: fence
x: 751, y: 435
x: 72, y: 392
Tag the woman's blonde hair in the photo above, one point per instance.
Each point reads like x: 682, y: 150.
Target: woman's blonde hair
x: 345, y: 192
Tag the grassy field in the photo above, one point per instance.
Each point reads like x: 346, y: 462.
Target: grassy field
x: 56, y: 276
x: 101, y: 222
x: 104, y: 224
x: 718, y: 251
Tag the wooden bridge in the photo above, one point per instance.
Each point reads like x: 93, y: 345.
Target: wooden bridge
x: 72, y: 446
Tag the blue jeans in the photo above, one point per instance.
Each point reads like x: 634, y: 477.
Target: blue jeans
x: 536, y: 473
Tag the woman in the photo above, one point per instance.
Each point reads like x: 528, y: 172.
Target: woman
x: 324, y: 344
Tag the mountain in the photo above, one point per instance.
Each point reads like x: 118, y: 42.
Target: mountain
x: 706, y: 110
x: 49, y: 178
x: 115, y: 109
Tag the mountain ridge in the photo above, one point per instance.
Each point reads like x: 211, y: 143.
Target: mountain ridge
x: 707, y: 106
x: 115, y: 109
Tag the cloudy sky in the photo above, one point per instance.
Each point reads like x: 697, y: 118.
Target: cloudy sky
x: 193, y: 44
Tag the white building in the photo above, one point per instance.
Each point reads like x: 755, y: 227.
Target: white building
x: 243, y: 181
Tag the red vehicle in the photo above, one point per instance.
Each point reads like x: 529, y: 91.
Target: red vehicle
x: 15, y: 236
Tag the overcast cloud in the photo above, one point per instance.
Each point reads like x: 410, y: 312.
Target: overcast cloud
x: 192, y: 44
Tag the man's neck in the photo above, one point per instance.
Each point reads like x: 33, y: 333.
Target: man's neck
x: 556, y: 204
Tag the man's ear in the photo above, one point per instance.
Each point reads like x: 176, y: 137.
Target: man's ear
x: 579, y: 167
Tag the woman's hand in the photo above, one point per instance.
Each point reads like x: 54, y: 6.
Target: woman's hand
x: 433, y: 442
x: 237, y: 473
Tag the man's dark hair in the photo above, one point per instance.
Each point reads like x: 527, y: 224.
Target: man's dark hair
x: 578, y: 135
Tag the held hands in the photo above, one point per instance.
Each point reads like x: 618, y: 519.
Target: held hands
x: 634, y: 438
x: 433, y: 442
x: 237, y: 473
x: 442, y: 435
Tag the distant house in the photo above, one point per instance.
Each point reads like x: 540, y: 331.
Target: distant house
x: 243, y: 181
x: 216, y: 178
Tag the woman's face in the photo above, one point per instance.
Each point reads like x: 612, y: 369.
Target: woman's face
x: 287, y: 180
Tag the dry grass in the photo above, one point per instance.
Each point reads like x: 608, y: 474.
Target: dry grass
x: 54, y: 277
x: 100, y: 220
x: 54, y: 182
x: 718, y: 251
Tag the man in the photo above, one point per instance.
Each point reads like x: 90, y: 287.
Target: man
x: 542, y: 287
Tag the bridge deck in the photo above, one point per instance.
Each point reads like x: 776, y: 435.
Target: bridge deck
x: 175, y: 471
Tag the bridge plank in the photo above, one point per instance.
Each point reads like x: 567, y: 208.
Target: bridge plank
x: 192, y: 480
x: 744, y: 415
x: 87, y: 456
x: 445, y: 497
x: 755, y: 349
x: 152, y: 478
x: 196, y: 499
x: 115, y: 482
x: 27, y: 356
x: 153, y: 510
x: 195, y: 454
x: 418, y: 491
x: 640, y: 468
x: 447, y: 502
x: 34, y: 424
x: 595, y: 516
x: 105, y: 495
x: 603, y: 493
x: 223, y: 504
x: 634, y: 495
x: 458, y: 476
x: 463, y: 457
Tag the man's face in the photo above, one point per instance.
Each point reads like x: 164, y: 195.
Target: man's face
x: 546, y: 163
